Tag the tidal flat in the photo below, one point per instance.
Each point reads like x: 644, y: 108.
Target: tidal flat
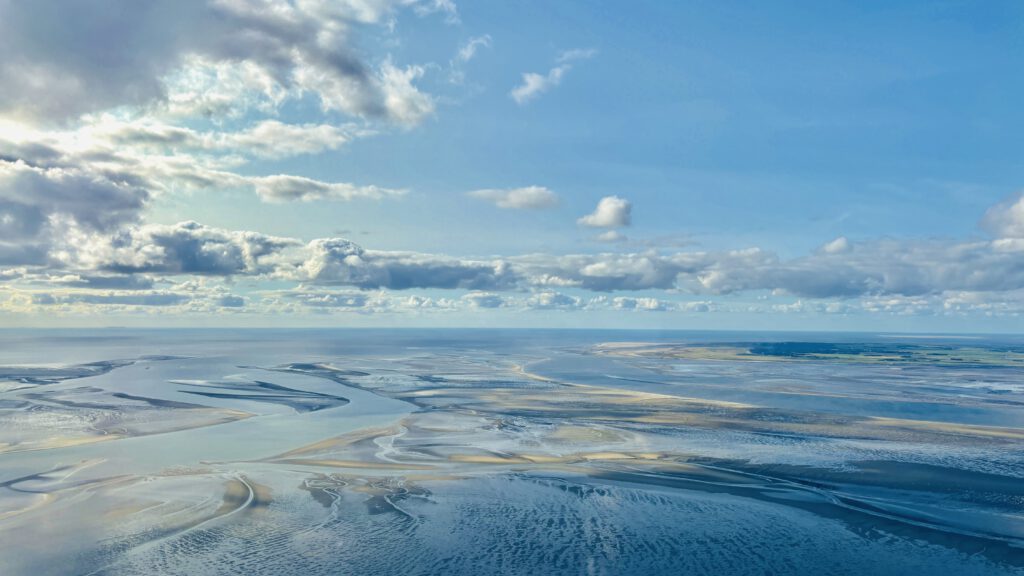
x: 511, y: 452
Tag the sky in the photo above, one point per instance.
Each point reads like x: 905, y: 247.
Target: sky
x: 649, y: 164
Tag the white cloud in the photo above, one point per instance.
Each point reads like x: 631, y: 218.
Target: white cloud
x: 91, y: 133
x: 274, y: 139
x: 271, y: 50
x: 103, y: 174
x: 529, y: 197
x: 150, y: 298
x: 72, y: 228
x: 568, y: 56
x: 553, y: 301
x: 402, y: 100
x: 837, y: 246
x: 187, y: 248
x: 484, y: 300
x: 446, y: 7
x: 283, y: 188
x: 611, y: 212
x: 1006, y: 219
x: 611, y: 237
x: 337, y: 261
x: 534, y: 84
x: 640, y: 304
x: 262, y: 139
x: 468, y: 51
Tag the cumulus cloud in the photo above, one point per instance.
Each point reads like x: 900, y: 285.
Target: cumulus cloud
x: 529, y: 197
x: 644, y: 304
x: 837, y: 246
x: 101, y: 176
x: 484, y: 300
x: 549, y: 300
x: 73, y: 59
x: 349, y: 301
x: 906, y: 268
x: 108, y: 105
x: 534, y: 84
x: 129, y: 260
x: 337, y: 261
x: 1006, y: 219
x: 39, y: 199
x: 611, y: 212
x: 330, y: 299
x: 31, y: 196
x: 187, y: 248
x: 606, y: 272
x: 230, y: 301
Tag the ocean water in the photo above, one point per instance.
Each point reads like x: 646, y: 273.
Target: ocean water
x: 509, y: 452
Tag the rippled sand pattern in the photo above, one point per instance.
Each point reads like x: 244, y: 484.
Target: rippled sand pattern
x: 524, y: 453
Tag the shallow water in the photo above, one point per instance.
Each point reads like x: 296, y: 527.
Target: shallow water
x: 514, y: 452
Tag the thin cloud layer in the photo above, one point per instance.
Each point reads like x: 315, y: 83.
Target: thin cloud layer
x: 527, y: 198
x: 534, y: 84
x: 284, y: 188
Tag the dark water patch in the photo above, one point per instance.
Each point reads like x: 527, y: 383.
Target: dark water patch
x: 45, y: 375
x: 262, y: 391
x: 862, y: 517
x: 299, y: 403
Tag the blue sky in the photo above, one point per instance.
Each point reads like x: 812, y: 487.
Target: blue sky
x: 797, y: 165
